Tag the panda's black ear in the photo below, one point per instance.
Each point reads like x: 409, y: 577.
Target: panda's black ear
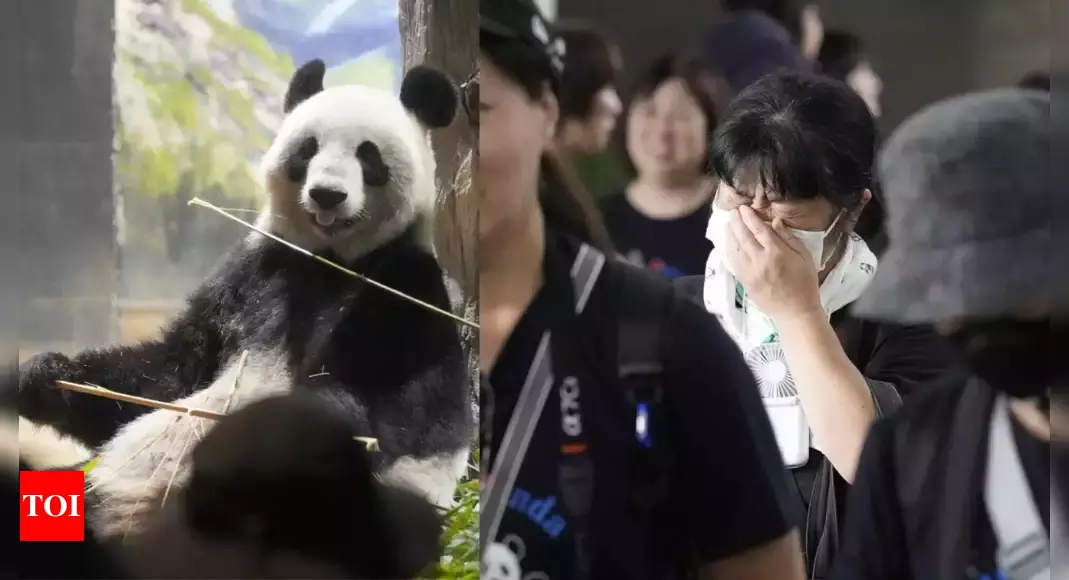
x: 307, y: 81
x: 430, y: 96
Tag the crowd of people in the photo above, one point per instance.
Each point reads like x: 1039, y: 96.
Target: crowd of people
x: 786, y: 348
x: 830, y: 360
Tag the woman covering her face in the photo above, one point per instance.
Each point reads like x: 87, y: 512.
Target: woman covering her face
x: 606, y: 400
x: 794, y: 158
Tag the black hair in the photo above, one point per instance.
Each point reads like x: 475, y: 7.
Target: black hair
x: 1038, y: 80
x: 786, y: 12
x: 802, y: 135
x: 841, y: 53
x: 567, y: 205
x: 702, y: 81
x: 589, y: 66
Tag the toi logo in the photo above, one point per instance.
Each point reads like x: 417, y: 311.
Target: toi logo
x: 53, y: 506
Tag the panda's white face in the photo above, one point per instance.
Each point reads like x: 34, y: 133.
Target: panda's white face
x: 349, y: 170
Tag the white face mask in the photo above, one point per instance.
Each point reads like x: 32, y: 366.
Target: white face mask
x: 717, y: 233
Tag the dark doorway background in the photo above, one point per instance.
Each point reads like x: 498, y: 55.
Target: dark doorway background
x: 925, y: 50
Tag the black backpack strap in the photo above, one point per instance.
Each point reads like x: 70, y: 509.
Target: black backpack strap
x: 643, y: 300
x: 575, y: 471
x: 640, y: 300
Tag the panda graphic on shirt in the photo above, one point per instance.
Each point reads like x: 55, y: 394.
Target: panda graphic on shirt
x: 534, y: 541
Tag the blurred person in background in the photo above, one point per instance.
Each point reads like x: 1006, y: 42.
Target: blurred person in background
x: 843, y: 57
x: 801, y: 19
x: 589, y: 103
x: 811, y: 34
x: 794, y: 156
x: 757, y: 37
x: 660, y: 217
x: 590, y: 107
x: 621, y: 433
x: 957, y: 484
x: 1038, y: 80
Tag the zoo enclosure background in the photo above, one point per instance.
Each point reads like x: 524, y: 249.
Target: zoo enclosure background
x: 140, y: 105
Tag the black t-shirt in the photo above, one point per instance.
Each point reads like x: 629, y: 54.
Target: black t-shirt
x: 674, y: 247
x: 876, y: 546
x: 906, y: 358
x: 727, y: 491
x: 889, y: 356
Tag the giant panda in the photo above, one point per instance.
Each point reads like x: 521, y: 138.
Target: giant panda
x: 351, y: 177
x: 279, y: 489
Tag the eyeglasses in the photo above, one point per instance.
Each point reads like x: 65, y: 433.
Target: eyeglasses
x: 469, y: 98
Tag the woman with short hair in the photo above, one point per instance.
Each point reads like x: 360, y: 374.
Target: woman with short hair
x: 794, y: 157
x: 656, y: 219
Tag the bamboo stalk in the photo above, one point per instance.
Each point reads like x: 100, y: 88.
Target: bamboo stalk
x: 109, y: 394
x: 371, y: 442
x: 200, y: 202
x: 237, y: 379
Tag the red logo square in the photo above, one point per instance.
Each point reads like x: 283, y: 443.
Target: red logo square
x: 53, y: 506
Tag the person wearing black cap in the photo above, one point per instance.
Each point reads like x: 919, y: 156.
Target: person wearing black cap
x: 623, y: 436
x: 758, y: 37
x: 957, y: 485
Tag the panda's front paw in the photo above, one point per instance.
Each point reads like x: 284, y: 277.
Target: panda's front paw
x: 48, y: 368
x: 38, y: 396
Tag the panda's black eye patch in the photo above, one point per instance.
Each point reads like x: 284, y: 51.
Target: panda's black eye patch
x: 297, y: 163
x: 308, y: 149
x: 376, y: 174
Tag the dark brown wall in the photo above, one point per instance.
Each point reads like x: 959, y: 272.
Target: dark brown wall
x: 924, y: 49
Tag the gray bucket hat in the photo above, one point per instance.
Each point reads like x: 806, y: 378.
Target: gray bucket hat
x: 973, y: 215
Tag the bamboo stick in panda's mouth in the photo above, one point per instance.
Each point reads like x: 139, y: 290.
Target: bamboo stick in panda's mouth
x: 200, y: 202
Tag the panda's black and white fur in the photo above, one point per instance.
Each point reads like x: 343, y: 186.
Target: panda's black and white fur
x: 278, y: 489
x: 350, y: 176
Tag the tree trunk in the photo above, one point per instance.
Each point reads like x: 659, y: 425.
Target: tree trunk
x: 444, y: 34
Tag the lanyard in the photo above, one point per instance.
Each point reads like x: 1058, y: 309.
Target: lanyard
x: 575, y: 471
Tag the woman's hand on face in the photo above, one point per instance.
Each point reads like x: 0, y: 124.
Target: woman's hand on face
x: 773, y: 266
